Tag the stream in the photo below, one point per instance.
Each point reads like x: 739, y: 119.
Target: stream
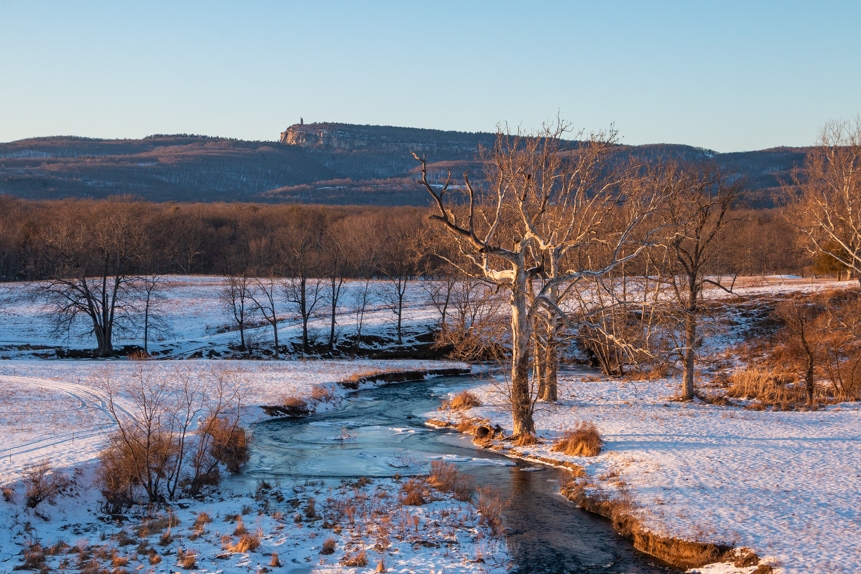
x: 380, y: 433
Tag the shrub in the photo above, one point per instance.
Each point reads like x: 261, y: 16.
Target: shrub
x: 229, y: 442
x: 186, y: 559
x: 583, y: 440
x: 43, y: 484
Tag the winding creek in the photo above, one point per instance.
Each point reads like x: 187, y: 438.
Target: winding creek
x: 380, y: 433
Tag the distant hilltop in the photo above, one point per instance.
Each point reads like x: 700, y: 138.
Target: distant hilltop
x: 348, y: 137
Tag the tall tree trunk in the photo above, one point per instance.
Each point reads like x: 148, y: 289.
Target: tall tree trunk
x: 690, y: 354
x: 550, y: 372
x: 521, y: 340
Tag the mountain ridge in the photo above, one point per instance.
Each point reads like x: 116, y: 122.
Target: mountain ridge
x: 322, y: 162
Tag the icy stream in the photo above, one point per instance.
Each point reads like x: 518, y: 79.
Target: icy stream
x: 380, y: 433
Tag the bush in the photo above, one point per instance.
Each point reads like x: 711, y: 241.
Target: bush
x: 43, y: 484
x: 358, y: 560
x: 583, y: 440
x: 328, y: 546
x: 229, y: 443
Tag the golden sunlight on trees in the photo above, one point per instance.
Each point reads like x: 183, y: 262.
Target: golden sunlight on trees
x: 827, y: 202
x: 548, y: 214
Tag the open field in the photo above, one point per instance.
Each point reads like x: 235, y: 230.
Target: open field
x: 784, y: 483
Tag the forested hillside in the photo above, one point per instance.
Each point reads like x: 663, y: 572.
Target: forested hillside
x: 323, y: 163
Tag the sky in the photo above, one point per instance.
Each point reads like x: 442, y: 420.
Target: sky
x: 725, y: 75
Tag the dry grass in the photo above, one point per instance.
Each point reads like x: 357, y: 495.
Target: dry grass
x: 240, y: 527
x: 414, y: 492
x: 358, y: 560
x: 770, y: 387
x: 583, y: 440
x: 446, y: 478
x: 526, y: 440
x: 246, y: 543
x: 186, y: 559
x: 357, y: 378
x: 328, y: 546
x: 462, y: 400
x: 295, y: 406
x: 490, y: 507
x: 275, y: 562
x: 322, y: 394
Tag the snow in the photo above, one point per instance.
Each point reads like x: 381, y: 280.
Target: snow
x: 783, y: 483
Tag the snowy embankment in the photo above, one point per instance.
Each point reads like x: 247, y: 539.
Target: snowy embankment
x: 55, y: 411
x: 786, y: 484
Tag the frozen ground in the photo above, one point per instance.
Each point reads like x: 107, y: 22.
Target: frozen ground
x: 783, y: 483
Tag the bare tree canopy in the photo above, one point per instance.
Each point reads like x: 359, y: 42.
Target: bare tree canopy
x: 828, y: 207
x: 93, y: 251
x: 549, y: 213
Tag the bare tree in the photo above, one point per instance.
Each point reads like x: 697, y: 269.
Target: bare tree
x: 699, y: 198
x: 93, y: 249
x: 150, y: 297
x: 828, y: 207
x: 544, y: 202
x: 265, y: 298
x: 236, y: 296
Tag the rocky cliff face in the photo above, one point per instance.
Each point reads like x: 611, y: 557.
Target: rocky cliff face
x: 344, y: 137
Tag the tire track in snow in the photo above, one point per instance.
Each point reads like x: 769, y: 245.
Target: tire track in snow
x: 74, y: 443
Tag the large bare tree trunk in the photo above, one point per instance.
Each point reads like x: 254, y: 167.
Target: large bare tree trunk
x: 521, y: 339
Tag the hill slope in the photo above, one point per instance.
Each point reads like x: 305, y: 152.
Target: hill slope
x: 313, y: 163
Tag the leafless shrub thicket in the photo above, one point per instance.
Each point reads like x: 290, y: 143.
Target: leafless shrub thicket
x: 43, y: 483
x: 174, y: 433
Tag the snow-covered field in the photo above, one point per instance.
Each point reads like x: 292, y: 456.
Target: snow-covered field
x: 784, y: 483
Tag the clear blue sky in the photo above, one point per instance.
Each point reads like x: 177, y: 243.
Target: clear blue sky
x: 722, y: 74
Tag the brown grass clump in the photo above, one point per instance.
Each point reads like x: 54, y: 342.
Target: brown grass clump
x: 275, y: 562
x: 446, y: 478
x: 583, y: 440
x: 358, y: 560
x: 240, y: 527
x: 413, y: 492
x: 463, y: 400
x: 295, y: 406
x: 201, y: 521
x: 322, y: 394
x: 246, y: 543
x: 328, y: 546
x: 526, y: 440
x: 768, y: 386
x: 186, y: 559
